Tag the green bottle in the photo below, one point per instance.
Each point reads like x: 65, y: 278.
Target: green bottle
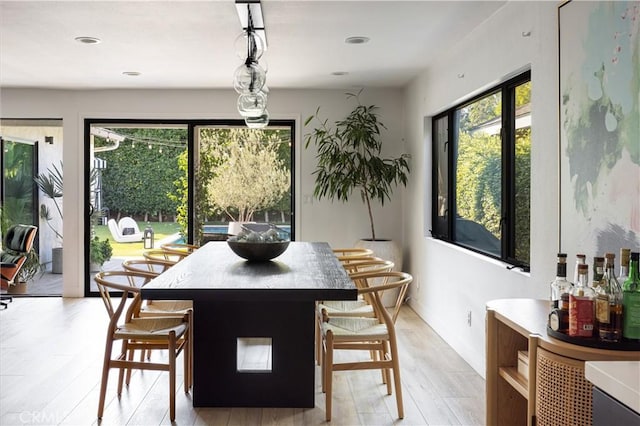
x: 631, y: 301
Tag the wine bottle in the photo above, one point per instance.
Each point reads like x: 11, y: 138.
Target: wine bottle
x: 624, y: 265
x: 581, y: 305
x: 560, y: 288
x: 598, y: 272
x: 581, y: 259
x: 631, y: 301
x: 609, y: 304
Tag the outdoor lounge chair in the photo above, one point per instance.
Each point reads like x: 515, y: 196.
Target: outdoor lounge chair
x: 125, y: 231
x: 15, y: 248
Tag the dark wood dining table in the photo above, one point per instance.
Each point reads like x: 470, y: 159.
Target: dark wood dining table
x: 237, y: 299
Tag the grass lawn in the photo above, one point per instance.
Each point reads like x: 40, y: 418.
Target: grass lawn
x: 160, y: 231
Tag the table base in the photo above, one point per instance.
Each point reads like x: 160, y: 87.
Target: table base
x: 217, y: 327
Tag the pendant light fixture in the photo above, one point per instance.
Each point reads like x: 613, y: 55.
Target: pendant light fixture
x: 250, y: 77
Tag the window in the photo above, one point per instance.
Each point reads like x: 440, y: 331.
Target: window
x: 481, y: 172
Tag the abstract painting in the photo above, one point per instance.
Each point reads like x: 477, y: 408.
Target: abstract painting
x: 599, y: 104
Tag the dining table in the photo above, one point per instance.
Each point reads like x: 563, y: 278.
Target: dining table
x: 234, y: 300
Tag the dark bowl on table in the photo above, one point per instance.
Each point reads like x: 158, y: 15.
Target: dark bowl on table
x: 257, y: 252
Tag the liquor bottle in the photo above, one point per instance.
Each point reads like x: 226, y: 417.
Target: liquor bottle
x: 581, y: 310
x: 581, y: 259
x: 598, y: 272
x: 624, y: 265
x: 560, y: 288
x: 609, y: 304
x: 631, y: 301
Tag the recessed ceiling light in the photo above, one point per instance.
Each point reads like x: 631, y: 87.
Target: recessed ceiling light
x: 88, y: 40
x: 526, y: 34
x: 131, y: 73
x: 339, y: 73
x: 356, y: 40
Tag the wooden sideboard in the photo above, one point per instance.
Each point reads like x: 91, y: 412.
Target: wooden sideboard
x: 549, y: 387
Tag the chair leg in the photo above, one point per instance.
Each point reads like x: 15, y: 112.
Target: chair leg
x: 122, y: 370
x: 5, y: 300
x: 132, y: 354
x: 327, y: 365
x: 172, y: 376
x: 187, y: 361
x: 396, y: 377
x: 106, y: 365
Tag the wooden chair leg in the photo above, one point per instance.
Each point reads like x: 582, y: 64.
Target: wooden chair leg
x: 318, y: 337
x: 186, y: 354
x: 396, y: 377
x: 327, y: 364
x: 386, y: 372
x: 132, y: 354
x: 106, y: 365
x: 172, y: 376
x: 122, y: 370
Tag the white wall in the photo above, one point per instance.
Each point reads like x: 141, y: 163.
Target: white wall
x: 450, y: 281
x: 339, y: 224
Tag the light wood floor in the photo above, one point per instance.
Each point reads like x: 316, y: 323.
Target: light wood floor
x: 51, y: 355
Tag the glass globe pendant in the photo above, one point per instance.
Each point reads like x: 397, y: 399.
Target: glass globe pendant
x: 252, y: 104
x: 249, y: 45
x: 258, y: 122
x: 249, y: 78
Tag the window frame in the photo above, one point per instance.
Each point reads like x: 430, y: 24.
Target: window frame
x: 446, y: 230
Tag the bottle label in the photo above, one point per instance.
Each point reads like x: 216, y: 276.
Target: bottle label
x: 631, y: 317
x: 580, y: 316
x: 602, y: 309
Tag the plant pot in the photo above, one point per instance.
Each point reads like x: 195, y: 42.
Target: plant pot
x: 18, y: 288
x: 56, y: 260
x: 95, y: 267
x: 387, y: 250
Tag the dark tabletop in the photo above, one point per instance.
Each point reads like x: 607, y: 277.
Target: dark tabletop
x: 305, y: 271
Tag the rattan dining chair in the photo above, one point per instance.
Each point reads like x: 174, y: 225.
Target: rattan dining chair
x: 350, y: 254
x: 153, y: 266
x: 162, y: 255
x: 158, y: 307
x: 368, y: 334
x: 358, y: 308
x: 140, y: 333
x: 179, y: 248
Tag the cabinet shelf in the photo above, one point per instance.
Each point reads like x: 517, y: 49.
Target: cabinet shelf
x: 551, y: 374
x: 515, y: 379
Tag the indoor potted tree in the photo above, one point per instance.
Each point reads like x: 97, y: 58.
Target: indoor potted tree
x: 349, y: 161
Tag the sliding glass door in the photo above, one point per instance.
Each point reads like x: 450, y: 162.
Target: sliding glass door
x: 150, y: 182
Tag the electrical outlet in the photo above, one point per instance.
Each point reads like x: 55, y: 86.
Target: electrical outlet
x: 469, y: 318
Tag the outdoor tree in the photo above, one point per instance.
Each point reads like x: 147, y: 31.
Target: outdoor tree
x: 250, y: 177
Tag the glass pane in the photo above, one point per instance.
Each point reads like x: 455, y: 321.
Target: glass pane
x: 17, y: 185
x: 242, y: 175
x: 441, y: 144
x: 478, y: 174
x: 522, y: 171
x: 138, y: 190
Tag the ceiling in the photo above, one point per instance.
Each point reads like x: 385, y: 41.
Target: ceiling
x: 190, y: 44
